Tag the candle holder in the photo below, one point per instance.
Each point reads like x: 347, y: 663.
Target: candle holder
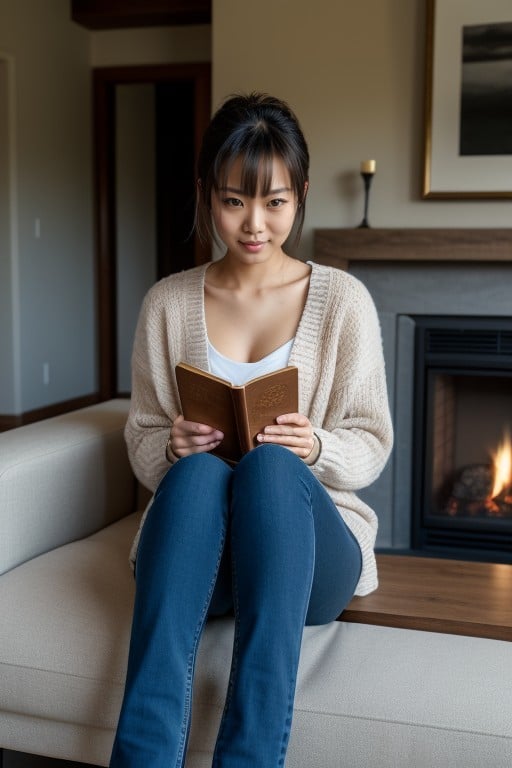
x: 367, y: 179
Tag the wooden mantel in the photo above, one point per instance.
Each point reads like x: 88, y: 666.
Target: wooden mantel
x: 338, y: 247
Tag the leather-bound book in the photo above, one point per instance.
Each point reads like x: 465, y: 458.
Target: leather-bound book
x: 240, y: 412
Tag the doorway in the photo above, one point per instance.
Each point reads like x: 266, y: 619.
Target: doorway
x: 176, y: 103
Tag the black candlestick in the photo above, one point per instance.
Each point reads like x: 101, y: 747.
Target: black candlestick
x: 367, y: 178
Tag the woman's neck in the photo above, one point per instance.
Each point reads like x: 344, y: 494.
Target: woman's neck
x: 232, y: 274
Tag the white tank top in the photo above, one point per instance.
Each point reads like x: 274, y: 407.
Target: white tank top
x: 240, y: 373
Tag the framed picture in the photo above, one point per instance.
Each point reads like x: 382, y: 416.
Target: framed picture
x: 468, y: 100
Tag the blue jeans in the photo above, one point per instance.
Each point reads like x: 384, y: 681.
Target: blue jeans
x: 262, y: 539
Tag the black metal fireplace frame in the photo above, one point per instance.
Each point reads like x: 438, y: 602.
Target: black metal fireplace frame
x: 476, y: 346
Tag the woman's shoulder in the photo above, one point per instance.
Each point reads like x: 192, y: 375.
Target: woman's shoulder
x: 175, y: 285
x: 340, y: 284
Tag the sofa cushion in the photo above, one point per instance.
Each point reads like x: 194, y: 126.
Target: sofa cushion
x: 65, y: 628
x: 366, y: 695
x: 379, y: 696
x: 85, y: 450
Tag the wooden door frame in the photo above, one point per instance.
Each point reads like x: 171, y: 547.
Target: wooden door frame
x: 105, y: 80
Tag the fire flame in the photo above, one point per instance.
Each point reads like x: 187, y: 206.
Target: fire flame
x: 502, y: 467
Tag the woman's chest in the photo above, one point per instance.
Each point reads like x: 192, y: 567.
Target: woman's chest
x: 249, y: 327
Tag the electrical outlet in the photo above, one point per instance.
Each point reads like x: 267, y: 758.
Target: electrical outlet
x: 46, y: 374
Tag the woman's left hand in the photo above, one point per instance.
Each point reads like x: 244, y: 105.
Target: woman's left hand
x: 293, y: 431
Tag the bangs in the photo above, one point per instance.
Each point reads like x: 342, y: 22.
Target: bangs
x: 256, y: 165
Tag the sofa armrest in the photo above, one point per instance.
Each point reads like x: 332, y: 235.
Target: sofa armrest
x: 62, y: 479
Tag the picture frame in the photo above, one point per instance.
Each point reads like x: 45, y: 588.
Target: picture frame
x: 468, y: 155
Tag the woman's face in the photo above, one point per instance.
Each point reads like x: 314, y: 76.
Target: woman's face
x: 254, y: 229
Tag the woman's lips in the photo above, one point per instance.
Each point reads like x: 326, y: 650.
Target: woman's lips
x: 252, y: 245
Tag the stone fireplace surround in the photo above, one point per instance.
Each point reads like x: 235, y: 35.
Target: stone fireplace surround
x: 416, y: 272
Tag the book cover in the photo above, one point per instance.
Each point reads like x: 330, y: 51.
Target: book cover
x: 240, y: 412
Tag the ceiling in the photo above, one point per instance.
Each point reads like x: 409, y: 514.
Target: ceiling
x: 116, y: 14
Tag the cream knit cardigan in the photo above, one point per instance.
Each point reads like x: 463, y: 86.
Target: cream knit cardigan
x: 338, y: 352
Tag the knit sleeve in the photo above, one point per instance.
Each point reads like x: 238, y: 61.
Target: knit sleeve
x: 154, y: 401
x: 356, y: 433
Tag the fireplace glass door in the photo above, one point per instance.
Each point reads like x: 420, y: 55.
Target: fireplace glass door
x: 463, y: 428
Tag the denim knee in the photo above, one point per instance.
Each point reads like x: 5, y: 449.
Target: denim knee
x: 270, y: 466
x: 195, y: 462
x: 188, y: 469
x: 270, y: 483
x: 270, y: 454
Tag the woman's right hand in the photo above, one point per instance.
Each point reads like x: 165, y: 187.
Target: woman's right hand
x: 189, y: 437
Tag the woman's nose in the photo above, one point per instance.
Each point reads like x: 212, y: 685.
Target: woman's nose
x: 254, y: 220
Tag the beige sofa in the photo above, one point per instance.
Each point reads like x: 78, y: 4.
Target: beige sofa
x: 366, y: 696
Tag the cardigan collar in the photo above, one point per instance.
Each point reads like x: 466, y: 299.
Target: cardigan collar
x: 306, y: 338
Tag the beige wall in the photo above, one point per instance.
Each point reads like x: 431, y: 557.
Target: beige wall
x: 8, y: 283
x: 48, y: 347
x: 152, y: 45
x: 353, y: 71
x: 52, y: 352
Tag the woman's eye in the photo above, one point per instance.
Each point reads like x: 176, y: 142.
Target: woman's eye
x: 277, y: 203
x: 233, y: 202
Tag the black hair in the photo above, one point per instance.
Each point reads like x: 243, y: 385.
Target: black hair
x: 255, y: 128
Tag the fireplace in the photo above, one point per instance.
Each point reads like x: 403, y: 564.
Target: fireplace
x: 417, y: 275
x: 462, y: 474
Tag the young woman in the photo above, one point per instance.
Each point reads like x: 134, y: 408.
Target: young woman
x: 280, y: 540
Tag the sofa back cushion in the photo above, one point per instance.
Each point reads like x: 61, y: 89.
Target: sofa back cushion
x: 62, y: 479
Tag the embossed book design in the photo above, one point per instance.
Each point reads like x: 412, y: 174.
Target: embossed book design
x: 240, y: 412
